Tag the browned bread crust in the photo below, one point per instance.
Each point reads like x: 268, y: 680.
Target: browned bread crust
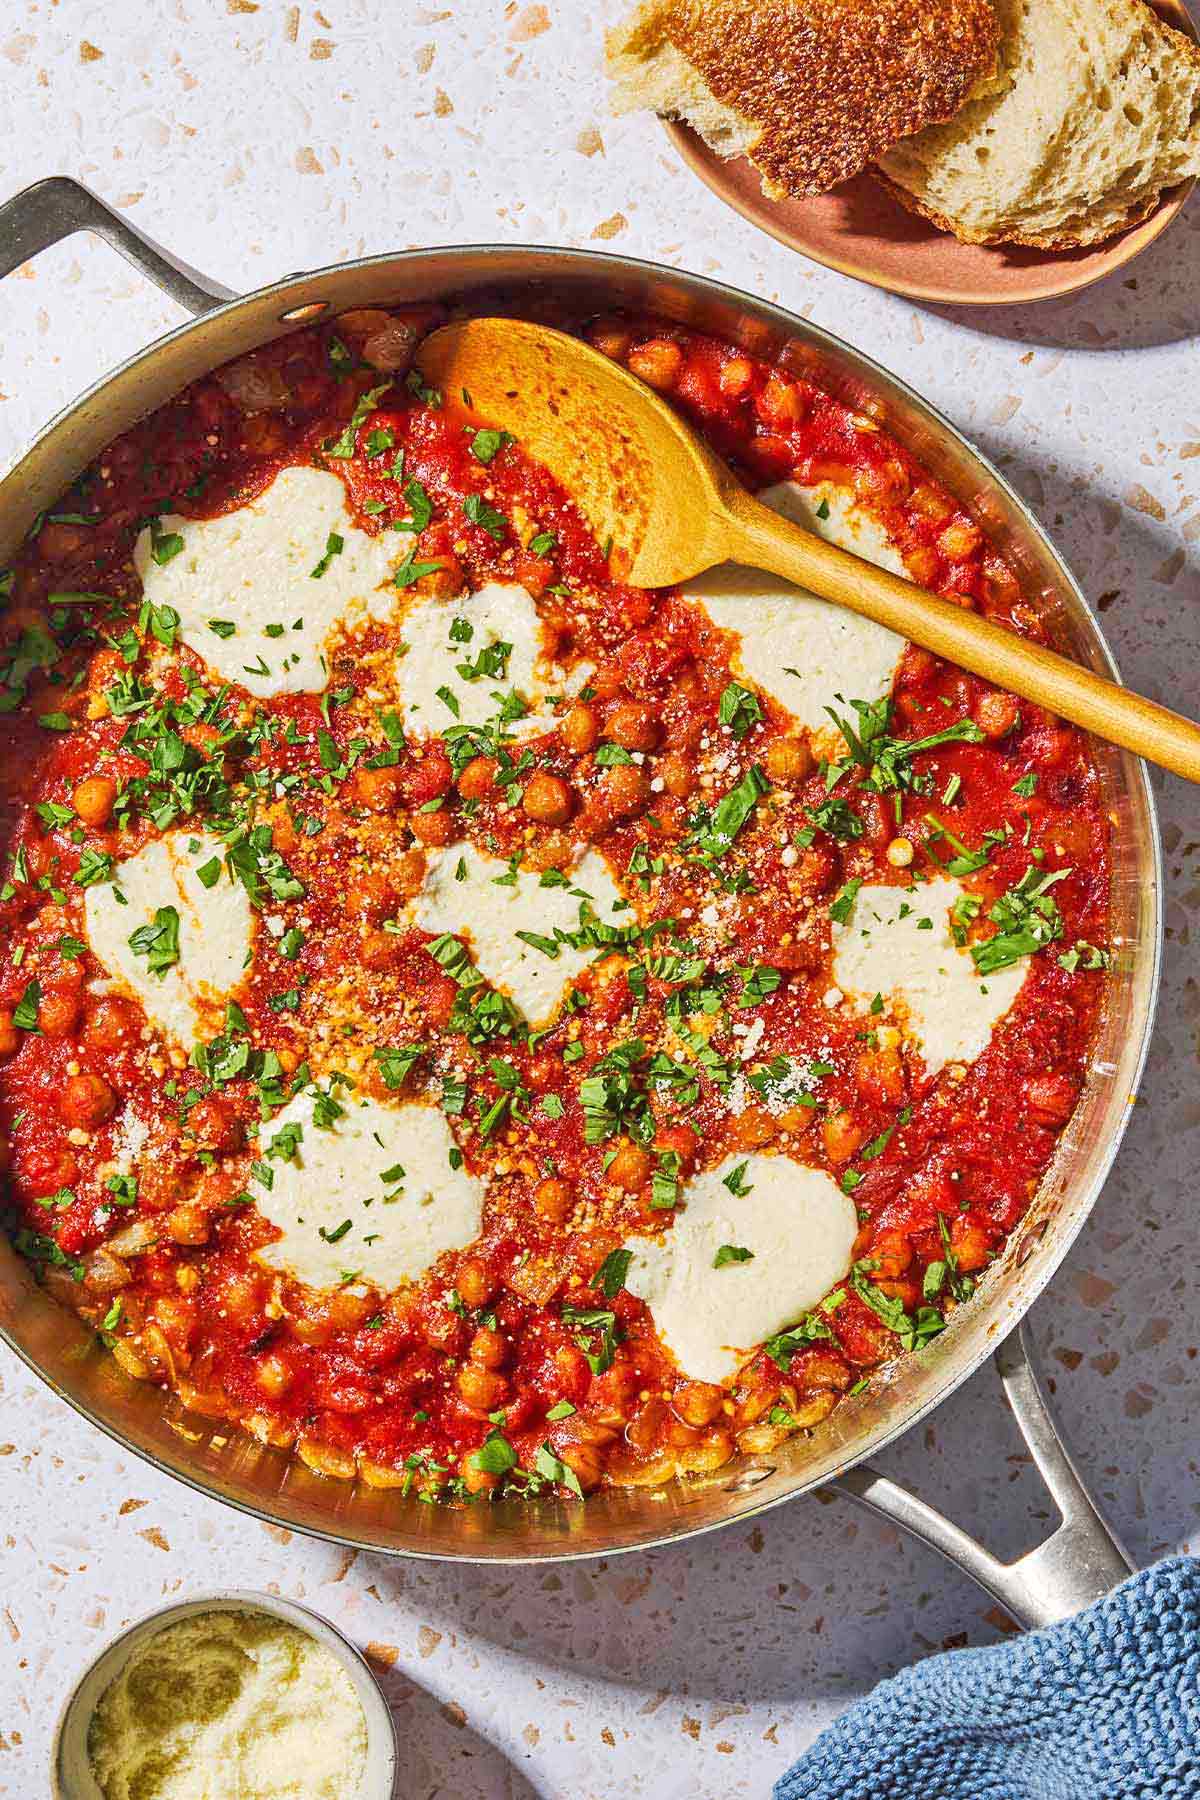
x: 826, y: 85
x: 1136, y: 215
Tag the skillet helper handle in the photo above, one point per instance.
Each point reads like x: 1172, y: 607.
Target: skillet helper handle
x: 1076, y: 1566
x: 760, y: 537
x: 53, y: 209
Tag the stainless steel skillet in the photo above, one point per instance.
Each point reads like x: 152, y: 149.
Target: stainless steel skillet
x: 1081, y: 1560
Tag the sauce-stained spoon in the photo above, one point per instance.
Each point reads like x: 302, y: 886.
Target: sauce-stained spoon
x: 643, y: 478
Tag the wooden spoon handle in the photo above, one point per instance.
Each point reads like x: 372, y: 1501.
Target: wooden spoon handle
x: 761, y: 538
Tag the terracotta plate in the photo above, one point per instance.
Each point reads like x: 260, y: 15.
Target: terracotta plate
x: 860, y: 230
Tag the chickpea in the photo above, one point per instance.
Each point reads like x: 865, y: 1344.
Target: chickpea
x: 677, y: 1140
x: 632, y: 726
x: 158, y: 1186
x: 611, y: 338
x: 1051, y: 1098
x: 445, y: 1332
x: 698, y: 1402
x: 782, y: 404
x: 736, y: 376
x: 677, y: 775
x: 475, y: 1282
x: 969, y: 1242
x: 239, y: 1298
x: 322, y: 1459
x: 906, y: 1291
x: 391, y: 347
x: 922, y: 564
x: 482, y: 1389
x: 931, y: 503
x: 630, y: 1167
x: 959, y: 540
x: 488, y: 1348
x: 378, y: 950
x: 361, y: 321
x: 188, y: 1225
x: 478, y: 778
x: 753, y: 1128
x: 127, y: 1358
x: 263, y: 434
x: 57, y: 541
x: 58, y: 1014
x: 841, y: 1136
x: 587, y: 1462
x: 624, y: 790
x: 580, y: 730
x: 475, y: 1479
x: 657, y: 363
x: 346, y: 1310
x: 274, y: 1376
x: 646, y: 1424
x: 215, y: 1126
x: 110, y: 1024
x: 788, y: 761
x: 379, y: 790
x: 893, y: 1253
x: 552, y: 850
x: 996, y: 713
x: 607, y: 681
x: 554, y: 1199
x: 175, y: 1315
x: 714, y: 1449
x: 87, y: 1100
x: 435, y: 829
x: 881, y: 1074
x: 547, y: 800
x: 900, y: 852
x: 94, y: 798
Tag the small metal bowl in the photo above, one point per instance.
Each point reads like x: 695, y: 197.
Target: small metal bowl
x: 71, y: 1775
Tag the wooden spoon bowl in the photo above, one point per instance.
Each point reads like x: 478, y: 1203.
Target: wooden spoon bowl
x: 643, y: 479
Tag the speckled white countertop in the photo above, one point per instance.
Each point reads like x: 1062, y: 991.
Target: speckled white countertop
x: 255, y: 139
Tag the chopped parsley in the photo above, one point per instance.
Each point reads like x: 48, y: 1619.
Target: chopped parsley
x: 25, y: 1012
x: 334, y: 545
x: 739, y: 709
x: 1027, y: 917
x: 732, y: 1253
x: 610, y: 1276
x: 715, y: 835
x: 486, y: 517
x: 345, y: 443
x: 158, y: 941
x: 486, y: 445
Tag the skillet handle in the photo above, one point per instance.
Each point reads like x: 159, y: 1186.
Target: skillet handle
x: 49, y: 210
x: 1077, y: 1564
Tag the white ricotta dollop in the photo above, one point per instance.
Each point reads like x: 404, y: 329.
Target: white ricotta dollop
x: 478, y: 899
x: 898, y: 942
x: 444, y: 637
x: 803, y: 651
x: 216, y: 931
x: 373, y: 1195
x: 800, y: 1230
x: 255, y: 567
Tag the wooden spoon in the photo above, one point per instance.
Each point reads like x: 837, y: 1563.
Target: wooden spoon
x: 642, y: 478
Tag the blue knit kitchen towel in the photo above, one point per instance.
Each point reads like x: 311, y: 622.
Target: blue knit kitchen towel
x: 1104, y: 1707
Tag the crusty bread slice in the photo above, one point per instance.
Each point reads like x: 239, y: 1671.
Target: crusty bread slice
x: 1098, y: 115
x: 811, y: 90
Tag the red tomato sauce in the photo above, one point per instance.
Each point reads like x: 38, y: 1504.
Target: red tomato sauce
x: 516, y: 1361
